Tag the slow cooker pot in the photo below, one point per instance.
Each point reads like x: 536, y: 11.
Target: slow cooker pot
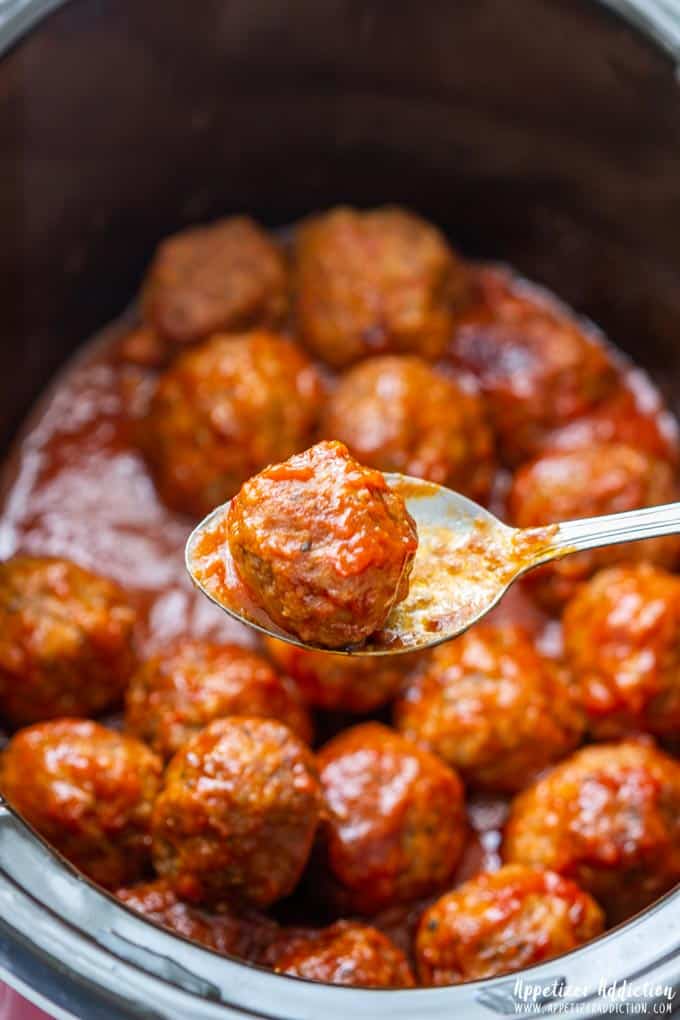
x: 542, y: 132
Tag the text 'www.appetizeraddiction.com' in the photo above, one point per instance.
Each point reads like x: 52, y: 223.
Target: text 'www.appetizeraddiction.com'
x: 606, y: 998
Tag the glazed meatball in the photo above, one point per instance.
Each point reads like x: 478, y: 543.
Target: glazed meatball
x: 88, y: 791
x: 324, y: 545
x: 492, y: 707
x: 225, y: 276
x: 66, y: 640
x: 502, y: 922
x: 609, y: 818
x: 245, y: 935
x: 345, y: 683
x: 622, y: 639
x: 223, y: 411
x: 237, y: 813
x: 396, y: 413
x: 538, y: 366
x: 633, y: 414
x: 603, y: 479
x: 396, y: 824
x: 347, y: 953
x: 373, y: 283
x: 175, y: 694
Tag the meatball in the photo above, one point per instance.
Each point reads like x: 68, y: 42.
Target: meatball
x: 609, y: 818
x: 237, y: 813
x: 502, y: 922
x: 88, y: 791
x: 324, y: 545
x: 492, y: 707
x: 223, y: 411
x: 538, y: 366
x: 245, y: 935
x: 66, y: 640
x: 375, y: 282
x: 347, y: 953
x: 396, y: 413
x: 396, y: 820
x: 633, y: 414
x: 225, y: 276
x: 603, y: 479
x: 174, y: 695
x: 622, y: 639
x: 345, y: 683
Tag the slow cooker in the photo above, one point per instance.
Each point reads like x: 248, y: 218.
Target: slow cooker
x: 544, y: 132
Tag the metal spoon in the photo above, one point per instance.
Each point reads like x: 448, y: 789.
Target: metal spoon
x: 466, y: 561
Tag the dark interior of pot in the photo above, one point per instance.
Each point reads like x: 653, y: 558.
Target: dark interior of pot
x: 544, y: 133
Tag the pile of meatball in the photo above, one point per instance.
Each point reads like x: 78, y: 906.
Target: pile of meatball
x: 215, y: 811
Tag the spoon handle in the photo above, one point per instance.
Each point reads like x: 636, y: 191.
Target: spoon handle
x: 591, y: 532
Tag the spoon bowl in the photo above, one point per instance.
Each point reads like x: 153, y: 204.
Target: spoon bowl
x: 466, y: 561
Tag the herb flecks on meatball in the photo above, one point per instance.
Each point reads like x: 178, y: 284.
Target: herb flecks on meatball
x: 237, y: 813
x: 502, y: 922
x: 89, y: 791
x: 609, y: 818
x: 324, y: 545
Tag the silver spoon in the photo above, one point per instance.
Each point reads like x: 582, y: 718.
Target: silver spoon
x: 466, y: 561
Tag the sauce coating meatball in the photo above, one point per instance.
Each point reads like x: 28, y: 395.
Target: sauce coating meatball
x: 609, y: 818
x: 622, y: 639
x: 376, y: 282
x: 603, y: 479
x: 347, y: 953
x: 172, y: 696
x: 397, y: 413
x: 345, y: 683
x: 502, y: 922
x: 223, y: 411
x: 538, y: 366
x: 324, y: 545
x: 245, y: 935
x: 66, y: 640
x: 225, y: 276
x: 88, y: 791
x: 237, y: 813
x: 492, y: 707
x: 396, y: 824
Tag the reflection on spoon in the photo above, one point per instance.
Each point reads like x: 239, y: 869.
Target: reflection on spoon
x: 466, y: 559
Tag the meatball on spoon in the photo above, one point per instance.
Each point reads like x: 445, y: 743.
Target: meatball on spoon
x: 465, y: 562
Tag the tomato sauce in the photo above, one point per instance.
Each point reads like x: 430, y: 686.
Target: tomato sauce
x: 76, y: 487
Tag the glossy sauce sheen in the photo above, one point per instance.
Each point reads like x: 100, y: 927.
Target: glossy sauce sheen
x: 76, y: 486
